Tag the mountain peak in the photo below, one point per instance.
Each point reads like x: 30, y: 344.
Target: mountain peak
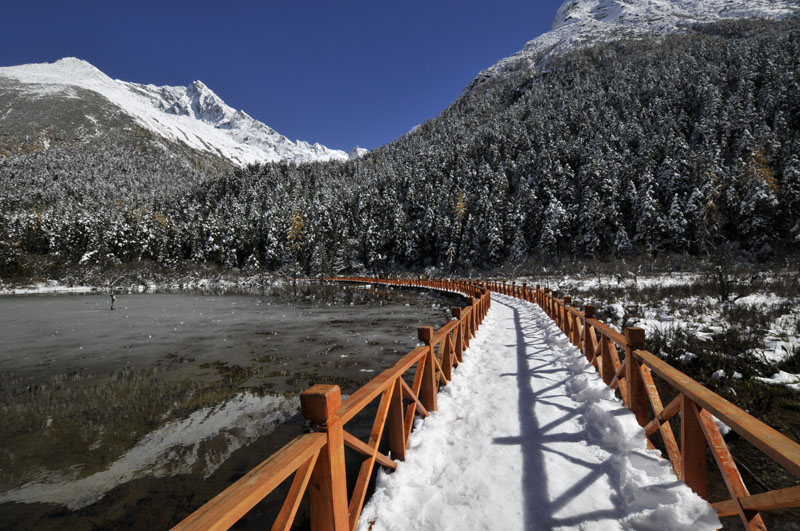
x: 193, y: 115
x: 69, y: 70
x: 358, y: 152
x: 74, y: 63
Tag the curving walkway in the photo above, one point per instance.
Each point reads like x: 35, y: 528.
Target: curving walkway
x: 527, y: 436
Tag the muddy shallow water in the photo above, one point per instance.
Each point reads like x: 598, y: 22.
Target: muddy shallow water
x: 166, y: 396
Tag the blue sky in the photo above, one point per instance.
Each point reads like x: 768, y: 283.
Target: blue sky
x: 339, y: 73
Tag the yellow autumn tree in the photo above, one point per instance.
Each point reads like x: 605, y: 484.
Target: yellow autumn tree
x: 297, y: 231
x: 295, y: 235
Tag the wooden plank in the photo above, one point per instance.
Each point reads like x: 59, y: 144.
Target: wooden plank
x: 418, y: 375
x: 460, y: 339
x: 593, y: 343
x: 620, y: 374
x: 413, y: 396
x: 567, y: 320
x: 440, y: 372
x: 227, y: 507
x: 409, y: 422
x: 579, y: 335
x: 455, y: 361
x: 693, y: 449
x: 397, y: 425
x: 289, y: 509
x: 328, y: 487
x: 766, y: 501
x: 465, y: 319
x: 415, y: 405
x: 576, y: 330
x: 774, y: 444
x: 606, y: 366
x: 447, y: 358
x: 671, y: 444
x: 637, y: 400
x: 614, y: 355
x: 363, y: 448
x: 589, y: 339
x: 671, y: 410
x: 360, y: 491
x: 667, y: 434
x: 427, y: 393
x: 728, y: 469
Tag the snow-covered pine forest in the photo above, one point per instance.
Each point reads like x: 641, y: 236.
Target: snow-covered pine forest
x: 682, y: 144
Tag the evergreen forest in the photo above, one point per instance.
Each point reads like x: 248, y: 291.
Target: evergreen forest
x: 677, y: 145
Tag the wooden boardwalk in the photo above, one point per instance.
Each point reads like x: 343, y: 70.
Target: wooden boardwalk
x: 543, y: 445
x: 684, y: 429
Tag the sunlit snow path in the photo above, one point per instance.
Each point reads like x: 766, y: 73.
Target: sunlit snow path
x: 527, y: 436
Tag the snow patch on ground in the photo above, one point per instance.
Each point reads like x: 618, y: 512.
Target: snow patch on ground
x: 527, y: 436
x: 792, y: 381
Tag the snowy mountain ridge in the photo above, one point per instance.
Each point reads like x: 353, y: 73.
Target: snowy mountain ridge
x: 583, y: 22
x: 193, y: 115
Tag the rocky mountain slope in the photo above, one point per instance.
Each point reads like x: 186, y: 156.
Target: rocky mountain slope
x: 584, y: 22
x: 681, y: 141
x: 192, y: 116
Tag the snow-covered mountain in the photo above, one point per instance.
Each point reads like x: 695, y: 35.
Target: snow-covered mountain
x: 191, y: 115
x: 581, y: 22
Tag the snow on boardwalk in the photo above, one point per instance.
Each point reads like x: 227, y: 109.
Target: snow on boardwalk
x: 527, y: 436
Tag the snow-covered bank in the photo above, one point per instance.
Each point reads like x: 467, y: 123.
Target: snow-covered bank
x: 749, y: 316
x: 48, y: 286
x: 245, y: 283
x: 527, y: 436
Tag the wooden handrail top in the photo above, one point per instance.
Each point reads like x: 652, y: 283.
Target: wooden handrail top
x: 777, y: 446
x: 222, y: 511
x: 609, y: 332
x: 354, y: 403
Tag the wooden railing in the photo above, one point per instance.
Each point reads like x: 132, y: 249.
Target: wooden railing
x: 317, y: 459
x: 632, y: 375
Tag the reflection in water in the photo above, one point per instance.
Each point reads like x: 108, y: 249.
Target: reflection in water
x: 196, y: 444
x: 147, y: 399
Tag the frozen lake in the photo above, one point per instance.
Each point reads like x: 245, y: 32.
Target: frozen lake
x: 100, y: 409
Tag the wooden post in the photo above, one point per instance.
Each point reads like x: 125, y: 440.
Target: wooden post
x: 566, y: 326
x: 637, y: 397
x: 606, y: 366
x: 538, y: 294
x: 471, y: 323
x: 397, y: 425
x: 447, y: 351
x: 588, y: 344
x: 456, y: 311
x: 693, y: 448
x: 328, y: 486
x: 427, y: 393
